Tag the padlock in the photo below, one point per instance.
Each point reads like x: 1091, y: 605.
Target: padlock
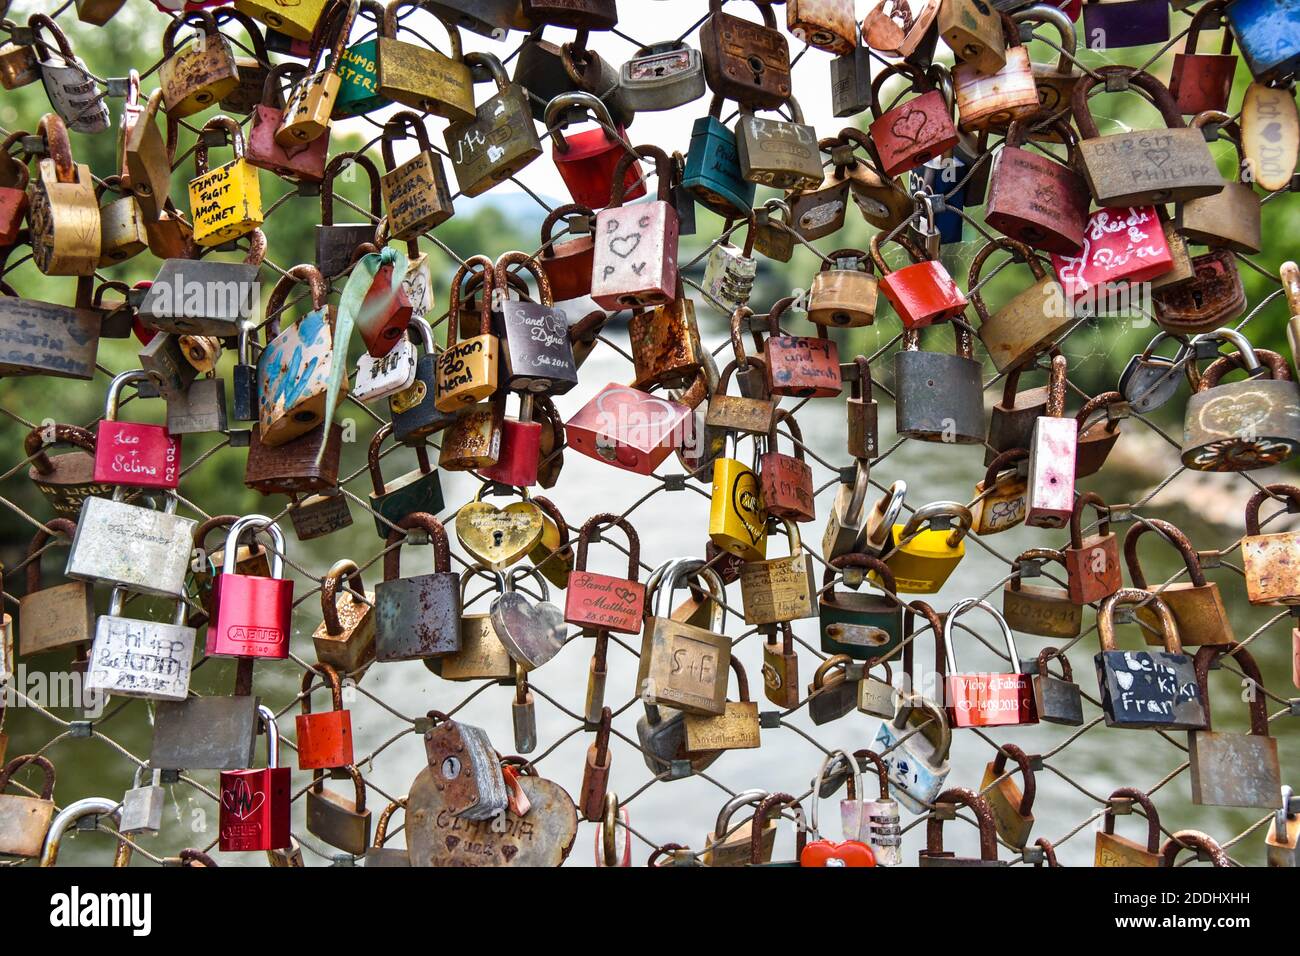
x: 298, y: 22
x: 324, y: 739
x: 499, y: 537
x: 1246, y: 425
x: 252, y: 70
x: 1142, y: 166
x: 418, y: 490
x: 19, y: 65
x: 305, y: 161
x: 205, y: 733
x: 416, y: 197
x: 251, y: 558
x: 1269, y: 50
x: 781, y: 666
x: 58, y: 616
x: 1001, y: 496
x: 130, y: 453
x: 359, y: 93
x: 336, y: 243
x: 1039, y: 609
x: 736, y: 414
x: 1145, y: 689
x: 798, y: 365
x: 982, y: 698
x: 684, y: 666
x: 467, y: 371
x: 339, y: 822
x: 307, y: 114
x: 1011, y: 807
x: 254, y: 804
x: 586, y: 160
x: 785, y: 481
x: 661, y: 76
x: 913, y: 132
x: 1204, y: 846
x: 500, y: 140
x: 472, y: 442
x: 225, y: 202
x: 294, y: 370
x: 778, y: 589
x: 1234, y: 770
x: 1197, y: 605
x: 345, y: 638
x: 844, y: 291
x: 63, y: 211
x: 482, y: 656
x: 600, y: 601
x: 728, y: 844
x: 64, y: 480
x: 921, y: 293
x: 712, y: 175
x: 315, y: 516
x: 1271, y: 577
x: 1203, y: 81
x: 121, y: 224
x: 421, y: 77
x: 193, y: 297
x: 170, y: 236
x: 414, y: 413
x: 382, y: 376
x: 987, y: 99
x: 833, y: 691
x: 954, y: 414
x: 250, y: 613
x: 595, y: 772
x: 607, y: 842
x: 973, y: 31
x: 902, y: 28
x: 861, y: 410
x: 922, y: 558
x: 829, y: 26
x: 866, y: 627
x: 552, y: 555
x: 851, y: 82
x: 417, y: 617
x: 1097, y: 434
x: 934, y: 854
x: 304, y: 465
x: 151, y: 559
x: 1035, y: 199
x: 635, y: 259
x: 876, y: 696
x: 822, y: 852
x: 138, y: 658
x: 170, y: 364
x: 1031, y: 322
x: 14, y: 178
x: 776, y: 804
x: 917, y: 765
x: 730, y: 273
x: 491, y: 18
x: 25, y: 821
x: 818, y: 211
x: 568, y: 262
x: 853, y: 528
x: 1128, y: 23
x: 578, y: 14
x: 72, y: 89
x: 737, y: 519
x: 1058, y: 700
x: 531, y: 632
x: 142, y: 805
x: 537, y: 355
x: 745, y: 61
x: 874, y: 822
x: 1229, y: 219
x: 628, y: 428
x: 736, y: 728
x: 1213, y: 298
x: 1121, y: 246
x: 198, y: 75
x: 1053, y: 446
x: 778, y: 153
x: 1092, y: 563
x: 1112, y: 850
x: 1283, y: 833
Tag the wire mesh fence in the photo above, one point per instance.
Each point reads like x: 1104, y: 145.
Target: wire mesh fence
x: 669, y: 508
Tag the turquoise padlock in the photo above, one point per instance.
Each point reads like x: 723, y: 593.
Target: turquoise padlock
x: 359, y: 92
x: 712, y: 174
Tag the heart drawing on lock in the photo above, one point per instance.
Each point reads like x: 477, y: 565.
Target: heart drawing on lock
x: 242, y: 802
x: 748, y: 506
x: 624, y: 246
x: 909, y: 126
x: 498, y: 537
x: 532, y: 633
x: 1272, y: 132
x: 1157, y: 156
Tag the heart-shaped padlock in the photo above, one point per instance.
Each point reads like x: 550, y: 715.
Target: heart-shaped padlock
x: 532, y: 633
x: 498, y: 537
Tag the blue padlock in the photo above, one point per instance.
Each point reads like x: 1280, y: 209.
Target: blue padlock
x: 1266, y: 32
x: 713, y: 167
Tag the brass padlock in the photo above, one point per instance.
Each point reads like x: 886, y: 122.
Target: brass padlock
x: 307, y: 113
x: 201, y: 73
x: 416, y: 197
x: 63, y: 211
x: 1197, y: 605
x: 420, y: 77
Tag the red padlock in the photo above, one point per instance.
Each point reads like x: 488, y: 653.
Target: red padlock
x: 130, y: 453
x: 800, y: 365
x: 253, y: 809
x: 785, y: 481
x: 1053, y: 448
x: 251, y: 614
x: 1203, y: 81
x: 568, y: 262
x: 324, y: 739
x: 1092, y: 563
x: 912, y: 133
x: 821, y: 852
x: 303, y: 162
x: 586, y: 160
x: 14, y: 177
x: 628, y: 428
x: 1120, y: 245
x: 521, y: 448
x: 922, y: 293
x: 386, y: 311
x: 602, y: 602
x: 1035, y: 199
x: 986, y: 699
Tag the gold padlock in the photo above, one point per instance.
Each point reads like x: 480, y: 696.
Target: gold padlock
x: 923, y: 557
x: 473, y: 440
x: 421, y: 77
x: 779, y: 589
x: 62, y: 208
x: 297, y: 19
x: 201, y: 73
x: 737, y: 519
x: 307, y: 114
x: 416, y: 197
x: 736, y: 728
x: 226, y: 202
x: 345, y: 638
x: 467, y: 371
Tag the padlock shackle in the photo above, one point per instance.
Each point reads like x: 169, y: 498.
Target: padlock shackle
x: 796, y: 433
x: 1205, y: 659
x: 252, y: 524
x: 256, y: 40
x: 960, y: 608
x: 1173, y: 535
x: 1001, y: 462
x: 437, y: 535
x: 234, y: 133
x: 1033, y: 554
x: 35, y: 443
x: 57, y: 146
x: 1148, y: 807
x: 1095, y: 404
x: 388, y: 29
x: 1106, y: 617
x: 555, y: 119
x: 745, y: 798
x: 1076, y: 517
x: 882, y: 771
x: 1289, y: 492
x: 920, y: 83
x: 120, y: 381
x: 840, y: 661
x: 304, y: 273
x: 855, y: 783
x: 381, y: 825
x: 527, y: 571
x: 888, y: 583
x: 1193, y: 840
x: 372, y: 456
x: 330, y: 676
x: 266, y: 717
x: 358, y: 787
x: 1224, y: 364
x: 983, y: 815
x: 663, y: 174
x: 1047, y: 654
x: 609, y: 520
x: 330, y: 585
x: 766, y: 807
x: 1290, y: 275
x: 338, y: 163
x: 1212, y: 12
x: 273, y: 92
x: 922, y: 515
x: 1030, y: 788
x: 1018, y: 250
x: 69, y: 815
x: 1054, y: 16
x: 205, y: 528
x: 1159, y: 93
x: 116, y: 599
x: 42, y: 763
x: 555, y: 215
x: 545, y: 296
x: 331, y: 33
x: 395, y: 124
x: 488, y: 281
x: 202, y: 20
x: 64, y: 526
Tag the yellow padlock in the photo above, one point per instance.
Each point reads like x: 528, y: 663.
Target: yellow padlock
x: 62, y: 211
x: 467, y: 370
x: 226, y: 202
x: 922, y: 558
x: 737, y: 518
x: 297, y: 19
x: 307, y: 114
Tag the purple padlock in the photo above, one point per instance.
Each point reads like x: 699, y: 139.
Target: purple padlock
x: 1113, y: 26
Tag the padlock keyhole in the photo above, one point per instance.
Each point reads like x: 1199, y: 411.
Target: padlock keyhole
x: 498, y: 537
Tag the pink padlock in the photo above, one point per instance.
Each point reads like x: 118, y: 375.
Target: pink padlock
x: 608, y: 852
x: 635, y: 261
x: 628, y: 428
x: 1052, y: 450
x: 131, y: 453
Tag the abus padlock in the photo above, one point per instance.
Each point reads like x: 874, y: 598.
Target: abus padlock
x: 72, y: 90
x: 324, y: 739
x: 1197, y: 605
x: 953, y: 413
x: 1245, y: 425
x: 983, y: 698
x: 1092, y: 563
x: 586, y: 160
x: 500, y: 140
x: 1142, y: 166
x: 601, y: 602
x: 662, y: 76
x: 537, y: 355
x: 421, y: 77
x: 251, y: 614
x: 864, y: 626
x: 745, y: 61
x: 419, y: 616
x: 418, y: 490
x: 1041, y: 609
x: 254, y: 804
x: 799, y: 365
x: 1053, y: 445
x: 130, y: 453
x: 1035, y: 199
x: 779, y: 589
x: 778, y: 153
x: 416, y: 197
x: 1267, y: 560
x: 204, y: 71
x: 139, y: 658
x: 923, y: 557
x: 921, y: 293
x: 1031, y: 322
x: 913, y: 132
x: 635, y: 261
x: 63, y: 211
x: 1227, y: 769
x: 1141, y: 689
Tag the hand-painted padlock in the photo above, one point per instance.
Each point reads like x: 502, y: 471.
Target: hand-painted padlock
x: 635, y: 261
x: 225, y: 202
x: 799, y: 365
x: 251, y: 615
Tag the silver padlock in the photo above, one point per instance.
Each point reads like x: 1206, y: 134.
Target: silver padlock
x: 523, y: 715
x: 877, y: 697
x: 202, y: 408
x: 662, y: 76
x: 377, y: 378
x: 71, y: 88
x: 168, y: 368
x: 135, y: 658
x: 848, y: 515
x: 130, y: 546
x: 142, y: 806
x: 730, y: 272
